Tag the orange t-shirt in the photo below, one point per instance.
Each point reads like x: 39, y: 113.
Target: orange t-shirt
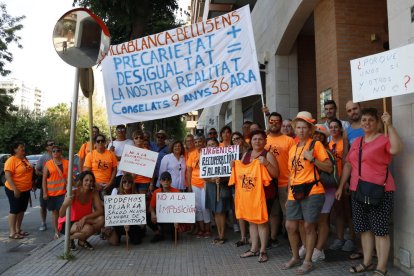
x: 142, y: 179
x: 153, y: 202
x: 279, y: 146
x: 337, y: 150
x: 187, y: 154
x: 84, y: 150
x: 101, y: 164
x: 304, y: 168
x: 250, y: 199
x: 194, y: 163
x: 21, y: 173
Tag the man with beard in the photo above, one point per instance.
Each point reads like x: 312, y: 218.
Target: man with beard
x: 86, y: 148
x: 330, y: 113
x: 279, y: 145
x: 354, y: 131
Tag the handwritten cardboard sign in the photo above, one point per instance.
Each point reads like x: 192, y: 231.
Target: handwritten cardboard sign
x: 181, y: 70
x: 175, y: 207
x: 383, y: 75
x: 217, y: 161
x: 125, y: 210
x: 138, y: 161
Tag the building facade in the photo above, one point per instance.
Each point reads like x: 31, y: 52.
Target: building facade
x: 26, y: 96
x: 304, y: 50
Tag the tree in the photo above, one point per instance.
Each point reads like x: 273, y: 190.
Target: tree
x: 9, y: 25
x: 6, y: 104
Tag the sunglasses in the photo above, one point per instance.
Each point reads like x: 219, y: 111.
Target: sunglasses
x: 50, y: 144
x: 274, y: 121
x: 121, y: 129
x: 236, y: 139
x: 212, y: 133
x: 56, y: 150
x: 100, y: 141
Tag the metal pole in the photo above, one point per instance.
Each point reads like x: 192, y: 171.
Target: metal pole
x: 90, y: 122
x: 264, y: 115
x: 71, y: 155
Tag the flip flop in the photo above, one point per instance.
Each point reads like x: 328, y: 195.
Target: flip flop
x: 263, y: 257
x: 249, y: 254
x: 16, y: 236
x: 360, y: 268
x: 380, y: 273
x: 23, y: 233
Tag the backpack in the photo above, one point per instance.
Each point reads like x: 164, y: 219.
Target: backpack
x: 328, y: 179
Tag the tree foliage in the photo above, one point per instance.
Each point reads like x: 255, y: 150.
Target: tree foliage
x: 6, y: 104
x: 131, y: 19
x: 9, y: 25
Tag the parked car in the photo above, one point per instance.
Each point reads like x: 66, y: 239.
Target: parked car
x: 3, y: 158
x: 33, y: 159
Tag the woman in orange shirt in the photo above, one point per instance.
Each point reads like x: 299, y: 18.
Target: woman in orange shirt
x: 306, y: 193
x: 259, y: 233
x: 225, y: 136
x: 142, y: 183
x: 19, y: 173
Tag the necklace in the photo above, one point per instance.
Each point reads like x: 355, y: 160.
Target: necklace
x: 296, y: 161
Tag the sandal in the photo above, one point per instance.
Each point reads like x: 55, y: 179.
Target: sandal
x: 216, y: 240
x: 290, y: 264
x: 207, y: 234
x: 16, y: 236
x: 356, y: 256
x: 221, y: 241
x: 199, y: 234
x: 305, y: 268
x: 263, y: 257
x: 380, y: 273
x: 249, y: 253
x: 241, y: 242
x: 85, y: 244
x: 56, y: 236
x: 23, y: 233
x: 360, y: 268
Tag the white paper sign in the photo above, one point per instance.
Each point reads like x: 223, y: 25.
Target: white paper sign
x: 217, y: 161
x: 125, y: 210
x: 138, y: 161
x: 183, y: 69
x: 175, y: 207
x: 382, y: 75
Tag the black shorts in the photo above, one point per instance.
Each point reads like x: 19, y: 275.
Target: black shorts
x: 17, y: 205
x: 55, y: 202
x: 42, y: 202
x: 375, y: 219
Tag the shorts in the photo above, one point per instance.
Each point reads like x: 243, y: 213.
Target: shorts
x: 42, y: 201
x: 142, y: 187
x: 17, y: 205
x: 307, y: 209
x: 55, y: 202
x: 375, y: 219
x: 280, y: 201
x: 329, y: 200
x: 269, y: 204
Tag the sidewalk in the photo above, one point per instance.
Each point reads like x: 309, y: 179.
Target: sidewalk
x: 192, y: 256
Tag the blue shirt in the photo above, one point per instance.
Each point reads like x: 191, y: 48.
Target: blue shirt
x: 161, y: 153
x: 353, y: 133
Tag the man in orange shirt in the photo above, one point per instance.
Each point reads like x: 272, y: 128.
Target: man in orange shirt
x: 279, y: 145
x: 85, y: 148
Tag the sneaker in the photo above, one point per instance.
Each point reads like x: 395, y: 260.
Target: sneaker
x: 318, y: 255
x: 157, y: 238
x: 348, y: 246
x: 43, y: 227
x: 302, y: 252
x: 236, y: 228
x: 73, y: 246
x: 337, y: 244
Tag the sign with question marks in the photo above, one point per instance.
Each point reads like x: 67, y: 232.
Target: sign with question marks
x: 383, y: 75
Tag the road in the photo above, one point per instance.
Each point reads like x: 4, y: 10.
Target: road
x: 14, y: 251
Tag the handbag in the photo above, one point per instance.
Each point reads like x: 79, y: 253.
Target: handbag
x: 328, y: 179
x: 301, y: 191
x: 368, y: 193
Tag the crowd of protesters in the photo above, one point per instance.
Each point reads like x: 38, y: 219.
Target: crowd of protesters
x: 276, y: 184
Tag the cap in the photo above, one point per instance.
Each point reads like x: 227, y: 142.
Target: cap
x: 162, y: 132
x: 165, y: 176
x: 305, y: 116
x: 322, y: 129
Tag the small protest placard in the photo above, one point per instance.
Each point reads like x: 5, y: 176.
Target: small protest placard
x: 216, y: 162
x: 385, y: 74
x: 125, y: 210
x: 138, y: 161
x: 175, y: 208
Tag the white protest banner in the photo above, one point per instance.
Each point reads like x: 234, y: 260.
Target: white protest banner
x: 175, y: 207
x: 383, y: 75
x: 217, y: 161
x: 125, y: 210
x: 138, y: 161
x: 182, y: 70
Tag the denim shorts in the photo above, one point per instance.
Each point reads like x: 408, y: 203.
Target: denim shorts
x: 307, y: 209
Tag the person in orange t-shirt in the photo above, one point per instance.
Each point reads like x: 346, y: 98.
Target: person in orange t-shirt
x: 19, y: 173
x: 103, y: 164
x: 279, y: 145
x: 250, y: 199
x: 301, y: 167
x: 142, y: 183
x: 225, y: 136
x: 86, y: 148
x: 196, y: 185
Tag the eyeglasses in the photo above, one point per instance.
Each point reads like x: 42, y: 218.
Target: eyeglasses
x: 274, y: 121
x: 121, y: 129
x: 57, y: 150
x: 50, y: 144
x: 100, y: 141
x: 236, y: 139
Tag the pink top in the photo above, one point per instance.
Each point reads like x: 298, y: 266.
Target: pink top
x: 78, y: 211
x: 376, y: 158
